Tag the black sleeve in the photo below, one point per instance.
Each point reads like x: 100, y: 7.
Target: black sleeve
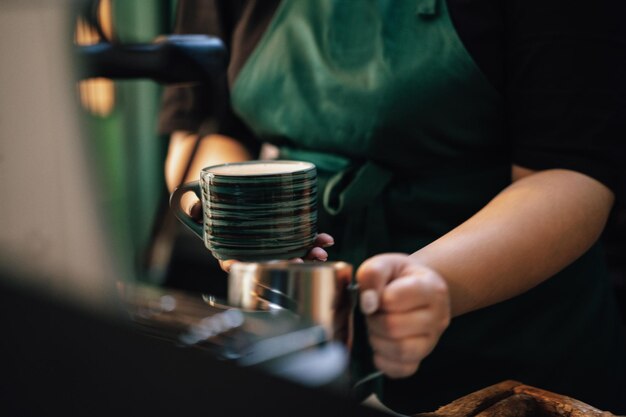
x: 566, y: 86
x: 200, y: 108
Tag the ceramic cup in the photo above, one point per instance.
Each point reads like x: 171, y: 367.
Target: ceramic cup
x: 254, y: 211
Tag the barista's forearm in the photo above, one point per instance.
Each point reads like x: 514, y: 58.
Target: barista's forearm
x: 529, y: 232
x: 212, y: 150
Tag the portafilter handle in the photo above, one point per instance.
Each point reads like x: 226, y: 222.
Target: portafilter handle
x: 170, y: 59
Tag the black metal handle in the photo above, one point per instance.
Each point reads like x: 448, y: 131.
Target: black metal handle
x: 171, y: 59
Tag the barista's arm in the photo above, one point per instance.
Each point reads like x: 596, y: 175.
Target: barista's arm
x: 534, y: 228
x: 212, y: 150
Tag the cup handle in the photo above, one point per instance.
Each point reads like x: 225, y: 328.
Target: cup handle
x: 175, y: 198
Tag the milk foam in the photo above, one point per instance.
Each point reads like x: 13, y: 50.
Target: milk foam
x: 259, y: 168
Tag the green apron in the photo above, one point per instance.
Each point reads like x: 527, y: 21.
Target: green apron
x: 408, y: 138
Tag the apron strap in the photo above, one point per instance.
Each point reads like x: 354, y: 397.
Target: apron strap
x: 355, y: 188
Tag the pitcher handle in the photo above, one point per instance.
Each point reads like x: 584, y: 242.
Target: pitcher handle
x: 175, y: 198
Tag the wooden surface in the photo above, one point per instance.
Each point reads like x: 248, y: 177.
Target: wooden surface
x: 514, y: 399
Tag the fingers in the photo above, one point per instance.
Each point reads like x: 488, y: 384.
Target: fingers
x: 407, y: 306
x: 400, y: 341
x: 296, y: 261
x: 400, y: 357
x: 190, y: 203
x: 419, y: 289
x: 195, y: 211
x: 324, y: 240
x: 399, y: 325
x: 317, y: 254
x: 373, y: 276
x: 407, y: 351
x: 375, y: 272
x: 394, y: 369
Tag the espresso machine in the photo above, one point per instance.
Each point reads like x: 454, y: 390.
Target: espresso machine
x: 291, y: 320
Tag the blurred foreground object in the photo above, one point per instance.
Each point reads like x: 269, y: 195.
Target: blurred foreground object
x: 59, y: 360
x: 52, y: 227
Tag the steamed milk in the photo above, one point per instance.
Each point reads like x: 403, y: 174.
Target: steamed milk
x: 259, y: 168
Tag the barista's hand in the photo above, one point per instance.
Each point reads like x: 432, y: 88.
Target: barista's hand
x: 317, y: 253
x: 407, y: 306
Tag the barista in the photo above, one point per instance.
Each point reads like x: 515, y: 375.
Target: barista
x: 469, y: 154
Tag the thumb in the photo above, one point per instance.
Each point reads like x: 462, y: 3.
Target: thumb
x: 373, y: 275
x: 195, y: 211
